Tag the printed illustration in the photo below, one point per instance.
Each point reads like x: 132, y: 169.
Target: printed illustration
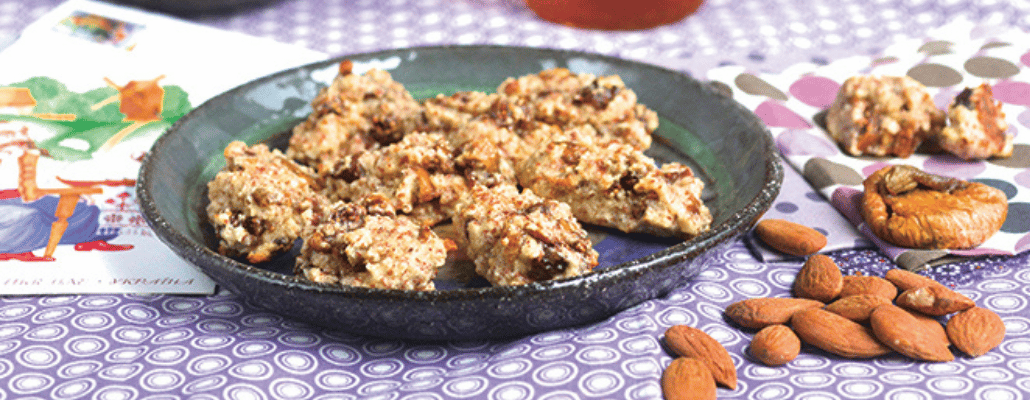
x: 99, y: 29
x: 68, y: 162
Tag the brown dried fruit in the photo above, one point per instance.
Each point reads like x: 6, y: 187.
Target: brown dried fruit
x: 688, y: 341
x: 761, y: 312
x: 904, y: 333
x: 976, y: 331
x: 855, y: 285
x: 775, y: 345
x: 789, y: 237
x: 819, y: 279
x: 857, y: 307
x: 836, y: 334
x: 906, y: 280
x: 934, y: 300
x: 688, y: 379
x: 911, y: 208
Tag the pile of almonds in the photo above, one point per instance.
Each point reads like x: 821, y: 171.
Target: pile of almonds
x: 701, y: 363
x: 860, y: 316
x: 865, y: 317
x: 850, y: 316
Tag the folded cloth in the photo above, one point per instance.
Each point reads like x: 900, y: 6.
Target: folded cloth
x: 798, y: 202
x: 793, y: 102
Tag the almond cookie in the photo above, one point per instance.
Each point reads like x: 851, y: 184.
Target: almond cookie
x: 976, y: 126
x: 356, y: 112
x: 883, y: 116
x: 417, y: 175
x: 517, y: 238
x: 260, y: 202
x: 561, y: 97
x: 617, y: 186
x: 367, y: 245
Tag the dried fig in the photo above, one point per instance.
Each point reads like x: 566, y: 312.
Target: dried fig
x: 911, y: 208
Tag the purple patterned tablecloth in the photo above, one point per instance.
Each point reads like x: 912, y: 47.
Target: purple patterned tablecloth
x: 169, y: 346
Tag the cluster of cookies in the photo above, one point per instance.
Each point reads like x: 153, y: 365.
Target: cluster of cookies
x: 371, y: 172
x: 896, y: 116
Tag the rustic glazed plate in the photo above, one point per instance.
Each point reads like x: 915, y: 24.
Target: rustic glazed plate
x: 726, y: 145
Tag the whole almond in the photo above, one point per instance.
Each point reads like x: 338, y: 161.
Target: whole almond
x: 819, y: 279
x: 933, y: 328
x: 905, y: 334
x: 761, y: 312
x: 688, y: 378
x: 854, y: 284
x: 775, y: 345
x: 856, y: 307
x: 934, y: 300
x: 906, y: 280
x: 687, y: 341
x: 836, y: 334
x: 976, y: 331
x: 789, y: 237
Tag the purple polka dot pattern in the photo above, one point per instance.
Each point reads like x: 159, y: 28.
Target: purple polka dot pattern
x: 935, y: 75
x: 1024, y: 118
x: 815, y: 91
x: 946, y: 61
x: 1017, y: 93
x: 953, y: 166
x: 991, y: 67
x: 1023, y: 179
x: 802, y: 142
x: 786, y: 207
x: 1024, y: 243
x: 777, y: 115
x: 1018, y: 221
x: 873, y: 167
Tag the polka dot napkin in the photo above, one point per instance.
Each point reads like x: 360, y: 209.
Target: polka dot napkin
x: 947, y: 60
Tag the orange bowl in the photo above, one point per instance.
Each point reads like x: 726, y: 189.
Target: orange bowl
x: 614, y: 14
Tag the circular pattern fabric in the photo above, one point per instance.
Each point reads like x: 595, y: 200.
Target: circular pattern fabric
x: 218, y: 347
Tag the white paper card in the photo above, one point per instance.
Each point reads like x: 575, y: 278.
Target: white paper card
x: 89, y: 87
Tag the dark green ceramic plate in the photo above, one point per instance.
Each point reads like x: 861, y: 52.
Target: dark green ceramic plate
x: 727, y: 146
